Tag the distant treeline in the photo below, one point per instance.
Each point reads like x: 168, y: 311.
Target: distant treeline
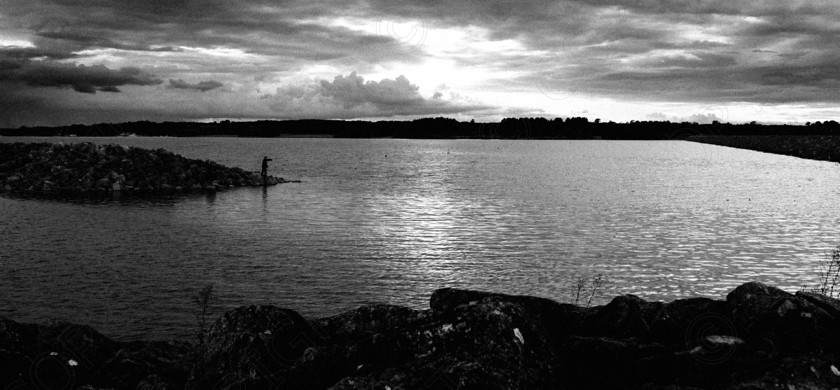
x: 509, y: 128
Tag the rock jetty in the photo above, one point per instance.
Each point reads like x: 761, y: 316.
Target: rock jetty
x: 758, y: 337
x: 86, y: 169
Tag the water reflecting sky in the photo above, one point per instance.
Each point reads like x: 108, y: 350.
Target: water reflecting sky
x: 392, y: 220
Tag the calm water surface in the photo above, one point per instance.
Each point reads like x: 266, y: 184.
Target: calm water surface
x: 392, y: 220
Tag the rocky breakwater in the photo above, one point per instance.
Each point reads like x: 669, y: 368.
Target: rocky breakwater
x: 87, y: 169
x: 759, y: 337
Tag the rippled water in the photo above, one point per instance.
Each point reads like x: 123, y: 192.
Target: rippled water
x: 392, y: 220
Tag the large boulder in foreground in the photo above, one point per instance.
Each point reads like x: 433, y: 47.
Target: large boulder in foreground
x: 766, y: 314
x: 67, y: 356
x: 759, y: 337
x: 86, y: 169
x: 481, y: 346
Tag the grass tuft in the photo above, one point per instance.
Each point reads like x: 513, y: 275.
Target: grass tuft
x: 830, y: 275
x: 587, y: 288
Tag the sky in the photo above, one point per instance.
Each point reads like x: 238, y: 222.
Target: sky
x: 92, y: 61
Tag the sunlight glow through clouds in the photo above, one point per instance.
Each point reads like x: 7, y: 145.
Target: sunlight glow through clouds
x: 443, y: 51
x: 629, y: 60
x: 14, y: 42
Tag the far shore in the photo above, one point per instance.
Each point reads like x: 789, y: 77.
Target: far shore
x: 812, y: 147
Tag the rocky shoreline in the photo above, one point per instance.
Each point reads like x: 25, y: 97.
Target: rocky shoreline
x: 87, y: 169
x: 758, y: 337
x: 812, y: 147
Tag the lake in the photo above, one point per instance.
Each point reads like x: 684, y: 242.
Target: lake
x: 391, y: 220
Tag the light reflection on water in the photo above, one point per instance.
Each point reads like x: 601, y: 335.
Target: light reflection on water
x: 392, y: 220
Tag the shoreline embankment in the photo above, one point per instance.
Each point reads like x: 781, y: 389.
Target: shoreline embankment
x: 812, y: 147
x: 87, y: 169
x: 758, y: 337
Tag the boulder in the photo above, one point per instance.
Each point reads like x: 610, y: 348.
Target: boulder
x: 691, y: 320
x: 558, y: 318
x: 152, y: 365
x: 491, y: 344
x: 253, y: 344
x: 767, y: 314
x: 760, y: 337
x: 830, y: 305
x: 625, y: 316
x: 54, y: 356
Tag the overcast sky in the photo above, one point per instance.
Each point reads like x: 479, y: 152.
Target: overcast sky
x: 89, y: 61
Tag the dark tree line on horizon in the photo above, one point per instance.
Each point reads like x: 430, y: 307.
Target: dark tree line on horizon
x: 509, y: 128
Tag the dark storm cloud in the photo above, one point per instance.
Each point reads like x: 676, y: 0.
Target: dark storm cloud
x: 659, y: 50
x: 640, y: 50
x: 86, y: 79
x: 278, y: 28
x: 202, y: 86
x: 16, y: 66
x: 25, y: 53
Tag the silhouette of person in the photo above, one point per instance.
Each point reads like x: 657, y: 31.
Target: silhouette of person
x: 264, y: 171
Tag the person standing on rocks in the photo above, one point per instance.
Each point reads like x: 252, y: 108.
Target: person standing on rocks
x: 264, y: 171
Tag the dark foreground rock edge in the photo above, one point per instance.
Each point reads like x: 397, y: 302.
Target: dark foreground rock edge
x: 86, y: 170
x: 759, y: 337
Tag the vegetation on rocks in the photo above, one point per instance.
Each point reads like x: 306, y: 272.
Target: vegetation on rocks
x: 829, y: 284
x: 758, y: 337
x: 89, y: 169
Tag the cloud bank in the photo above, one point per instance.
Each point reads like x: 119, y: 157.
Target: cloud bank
x: 585, y: 53
x: 202, y: 86
x: 350, y: 96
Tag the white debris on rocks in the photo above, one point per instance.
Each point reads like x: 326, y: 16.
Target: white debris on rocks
x: 518, y: 335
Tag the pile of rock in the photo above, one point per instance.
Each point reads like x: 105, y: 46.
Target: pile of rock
x: 88, y: 169
x: 759, y: 337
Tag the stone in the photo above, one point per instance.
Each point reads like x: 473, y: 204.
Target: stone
x: 625, y: 316
x: 830, y: 305
x: 689, y: 320
x: 559, y: 318
x: 85, y: 169
x: 254, y: 343
x: 767, y: 314
x: 465, y: 340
